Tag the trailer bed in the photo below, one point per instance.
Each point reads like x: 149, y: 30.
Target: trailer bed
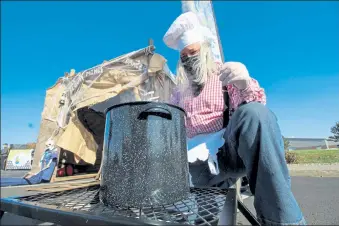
x: 81, y: 206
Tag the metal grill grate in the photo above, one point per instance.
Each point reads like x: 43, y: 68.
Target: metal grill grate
x: 201, y: 208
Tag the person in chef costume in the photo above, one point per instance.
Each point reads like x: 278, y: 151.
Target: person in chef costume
x: 252, y: 141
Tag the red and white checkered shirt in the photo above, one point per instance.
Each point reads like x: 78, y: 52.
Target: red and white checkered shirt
x: 205, y: 111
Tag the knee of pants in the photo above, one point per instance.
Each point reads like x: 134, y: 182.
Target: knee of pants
x: 255, y: 112
x: 200, y: 174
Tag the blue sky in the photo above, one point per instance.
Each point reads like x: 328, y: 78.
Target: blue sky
x: 291, y: 48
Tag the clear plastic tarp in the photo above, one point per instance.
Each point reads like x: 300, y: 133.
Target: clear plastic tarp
x: 137, y: 76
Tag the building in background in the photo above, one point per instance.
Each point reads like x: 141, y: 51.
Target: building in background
x: 311, y: 143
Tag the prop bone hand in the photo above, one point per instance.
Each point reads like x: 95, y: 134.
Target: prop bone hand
x: 235, y: 73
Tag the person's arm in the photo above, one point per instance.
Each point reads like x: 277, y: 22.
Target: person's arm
x: 252, y: 93
x: 241, y: 87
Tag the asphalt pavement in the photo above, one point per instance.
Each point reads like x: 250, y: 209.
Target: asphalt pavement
x: 318, y: 198
x: 13, y: 173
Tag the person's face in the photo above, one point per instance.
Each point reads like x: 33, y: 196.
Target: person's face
x: 191, y: 50
x: 189, y: 57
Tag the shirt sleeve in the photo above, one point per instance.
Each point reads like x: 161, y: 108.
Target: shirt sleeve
x: 253, y: 93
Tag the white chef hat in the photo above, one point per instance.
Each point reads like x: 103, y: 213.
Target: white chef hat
x: 184, y: 31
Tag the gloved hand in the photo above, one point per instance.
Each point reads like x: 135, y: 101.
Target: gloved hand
x: 235, y: 73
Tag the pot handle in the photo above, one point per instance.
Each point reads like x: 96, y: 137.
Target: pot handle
x: 156, y: 110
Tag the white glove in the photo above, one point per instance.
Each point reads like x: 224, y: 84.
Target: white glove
x: 235, y: 73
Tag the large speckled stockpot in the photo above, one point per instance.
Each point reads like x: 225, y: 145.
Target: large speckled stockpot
x: 145, y: 155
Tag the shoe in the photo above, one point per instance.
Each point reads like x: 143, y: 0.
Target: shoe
x: 244, y: 184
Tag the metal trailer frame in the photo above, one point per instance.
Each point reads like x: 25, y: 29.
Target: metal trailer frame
x: 81, y: 206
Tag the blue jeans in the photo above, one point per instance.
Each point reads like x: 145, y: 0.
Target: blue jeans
x: 254, y: 144
x: 42, y: 176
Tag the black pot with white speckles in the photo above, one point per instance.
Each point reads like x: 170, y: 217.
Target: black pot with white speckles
x: 145, y: 155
